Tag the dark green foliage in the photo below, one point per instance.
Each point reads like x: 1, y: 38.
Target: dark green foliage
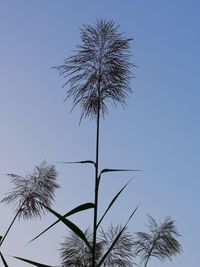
x: 79, y: 208
x: 111, y: 203
x: 71, y: 226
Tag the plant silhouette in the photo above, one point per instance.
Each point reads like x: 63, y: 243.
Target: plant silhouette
x: 32, y: 190
x: 30, y: 193
x: 100, y: 71
x: 98, y: 74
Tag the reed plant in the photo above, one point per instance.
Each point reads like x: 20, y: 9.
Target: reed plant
x: 98, y: 74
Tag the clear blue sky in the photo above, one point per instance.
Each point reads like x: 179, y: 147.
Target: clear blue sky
x: 158, y: 132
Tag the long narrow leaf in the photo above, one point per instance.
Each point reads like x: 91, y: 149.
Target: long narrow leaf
x: 112, y: 202
x: 71, y: 225
x: 33, y: 262
x: 79, y: 208
x: 118, y: 170
x: 116, y: 239
x: 75, y: 162
x: 3, y: 260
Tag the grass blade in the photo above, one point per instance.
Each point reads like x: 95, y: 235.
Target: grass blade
x: 3, y: 260
x: 79, y: 208
x: 78, y: 162
x: 112, y: 202
x: 70, y: 225
x: 118, y: 170
x: 116, y: 239
x: 33, y: 262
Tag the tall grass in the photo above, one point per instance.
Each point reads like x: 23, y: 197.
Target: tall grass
x: 98, y: 74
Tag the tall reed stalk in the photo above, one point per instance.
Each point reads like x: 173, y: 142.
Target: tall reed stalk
x: 96, y: 188
x: 99, y: 72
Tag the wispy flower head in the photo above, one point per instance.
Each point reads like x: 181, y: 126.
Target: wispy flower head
x: 161, y: 241
x: 33, y: 189
x: 74, y: 252
x: 100, y: 71
x: 122, y: 253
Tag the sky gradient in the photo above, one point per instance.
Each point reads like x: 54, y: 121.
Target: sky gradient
x: 158, y: 132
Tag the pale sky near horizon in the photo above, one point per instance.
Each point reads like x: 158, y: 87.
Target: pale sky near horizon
x: 158, y: 132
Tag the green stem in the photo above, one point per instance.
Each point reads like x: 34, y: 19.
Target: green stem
x: 97, y: 161
x: 145, y: 265
x: 96, y: 190
x: 11, y: 224
x: 150, y: 251
x: 16, y: 215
